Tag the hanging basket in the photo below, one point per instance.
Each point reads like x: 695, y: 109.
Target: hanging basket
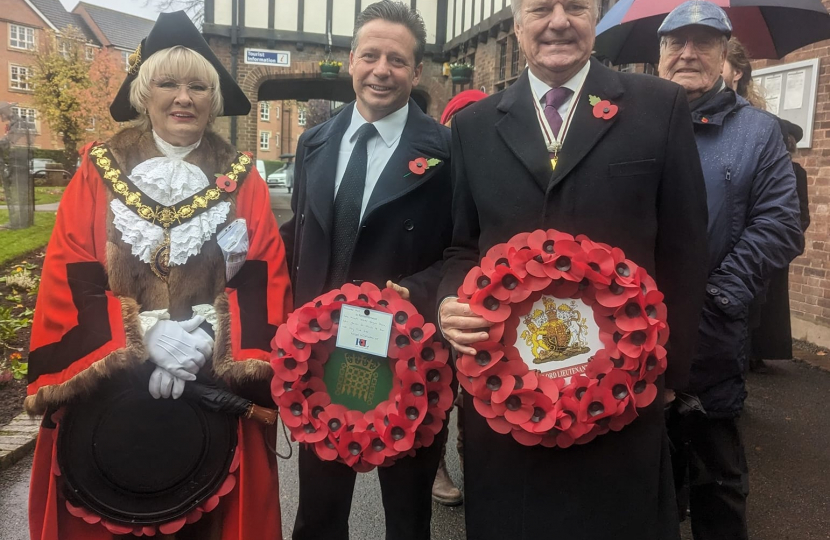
x: 461, y: 74
x: 329, y: 71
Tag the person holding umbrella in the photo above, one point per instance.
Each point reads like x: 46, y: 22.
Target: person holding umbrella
x: 753, y: 231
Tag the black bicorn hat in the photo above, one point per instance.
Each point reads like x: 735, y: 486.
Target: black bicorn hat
x: 173, y: 29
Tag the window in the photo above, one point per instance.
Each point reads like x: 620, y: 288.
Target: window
x: 21, y: 37
x: 514, y: 56
x: 90, y: 53
x: 125, y: 56
x: 264, y: 140
x: 26, y: 115
x: 502, y: 59
x: 63, y: 47
x: 264, y: 111
x: 20, y: 78
x: 276, y: 140
x: 301, y: 116
x: 277, y: 113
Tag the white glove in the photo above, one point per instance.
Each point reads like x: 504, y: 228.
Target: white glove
x: 172, y: 347
x: 164, y: 385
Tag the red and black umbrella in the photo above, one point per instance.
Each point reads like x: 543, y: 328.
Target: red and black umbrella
x: 768, y: 28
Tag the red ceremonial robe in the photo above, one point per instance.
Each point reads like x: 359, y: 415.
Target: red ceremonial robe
x: 86, y: 327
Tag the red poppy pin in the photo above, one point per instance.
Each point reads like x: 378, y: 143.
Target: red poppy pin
x: 603, y: 108
x: 420, y: 165
x: 225, y: 183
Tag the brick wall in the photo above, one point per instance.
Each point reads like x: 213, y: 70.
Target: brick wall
x: 810, y: 273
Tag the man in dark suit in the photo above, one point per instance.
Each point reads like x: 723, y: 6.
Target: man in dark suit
x: 363, y: 211
x: 540, y: 155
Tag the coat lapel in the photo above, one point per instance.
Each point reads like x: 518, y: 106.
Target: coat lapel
x: 586, y: 130
x: 420, y: 138
x: 321, y: 167
x: 519, y: 129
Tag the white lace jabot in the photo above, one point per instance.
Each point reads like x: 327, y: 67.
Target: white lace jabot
x: 168, y: 180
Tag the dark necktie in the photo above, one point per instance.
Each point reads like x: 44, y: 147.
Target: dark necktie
x: 554, y: 99
x: 347, y: 207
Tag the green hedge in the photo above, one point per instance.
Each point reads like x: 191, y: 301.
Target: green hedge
x: 54, y: 155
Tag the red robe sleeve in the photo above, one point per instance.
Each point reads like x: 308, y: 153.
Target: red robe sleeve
x: 81, y: 331
x: 258, y: 298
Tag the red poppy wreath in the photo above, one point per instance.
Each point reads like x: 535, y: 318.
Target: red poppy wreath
x: 417, y: 404
x: 577, y: 340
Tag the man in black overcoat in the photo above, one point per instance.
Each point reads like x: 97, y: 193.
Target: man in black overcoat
x: 364, y: 211
x: 627, y: 174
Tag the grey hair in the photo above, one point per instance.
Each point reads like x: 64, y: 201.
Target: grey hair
x: 394, y: 12
x: 175, y: 62
x: 516, y: 7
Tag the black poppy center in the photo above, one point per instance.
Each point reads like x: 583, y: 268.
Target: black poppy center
x: 518, y: 382
x: 483, y: 358
x: 651, y: 311
x: 314, y: 326
x: 433, y: 398
x: 401, y: 317
x: 509, y: 282
x: 417, y: 389
x: 651, y: 362
x: 639, y: 386
x: 580, y: 392
x: 616, y: 288
x: 398, y: 433
x: 493, y: 383
x: 401, y: 341
x: 354, y: 448
x: 596, y: 408
x: 620, y: 391
x: 513, y: 403
x: 315, y: 412
x: 428, y: 419
x: 547, y: 247
x: 638, y: 337
x: 491, y: 303
x: 335, y: 316
x: 417, y: 334
x: 308, y: 428
x: 538, y: 415
x: 632, y: 310
x: 377, y: 445
x: 340, y: 298
x: 363, y: 297
x: 433, y: 375
x: 296, y: 409
x: 428, y: 354
x: 334, y: 424
x: 411, y: 365
x: 412, y: 413
x: 482, y: 282
x: 563, y: 264
x: 299, y: 344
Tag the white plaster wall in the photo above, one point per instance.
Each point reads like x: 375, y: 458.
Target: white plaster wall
x: 488, y: 8
x: 285, y: 15
x: 459, y: 23
x: 342, y: 17
x: 315, y: 16
x: 222, y: 12
x: 429, y: 12
x: 256, y: 13
x: 477, y: 11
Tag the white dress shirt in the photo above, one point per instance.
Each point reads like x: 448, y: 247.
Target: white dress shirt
x: 379, y: 148
x: 541, y: 88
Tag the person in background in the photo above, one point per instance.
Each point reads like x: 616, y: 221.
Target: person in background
x: 444, y: 491
x: 772, y: 335
x: 753, y: 231
x: 737, y: 74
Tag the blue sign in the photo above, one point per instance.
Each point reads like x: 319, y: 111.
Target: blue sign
x: 267, y: 57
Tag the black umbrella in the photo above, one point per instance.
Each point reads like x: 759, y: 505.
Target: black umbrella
x: 767, y: 28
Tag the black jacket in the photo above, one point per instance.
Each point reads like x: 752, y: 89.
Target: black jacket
x: 405, y: 227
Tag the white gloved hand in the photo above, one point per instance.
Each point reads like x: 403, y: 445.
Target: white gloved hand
x: 172, y: 347
x: 164, y: 385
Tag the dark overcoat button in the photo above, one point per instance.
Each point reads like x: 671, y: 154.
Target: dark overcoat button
x: 724, y: 300
x: 713, y: 290
x: 408, y: 224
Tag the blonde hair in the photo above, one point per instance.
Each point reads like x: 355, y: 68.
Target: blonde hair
x: 738, y: 58
x: 177, y: 63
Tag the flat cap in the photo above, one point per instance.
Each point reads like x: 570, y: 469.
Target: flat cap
x: 699, y: 13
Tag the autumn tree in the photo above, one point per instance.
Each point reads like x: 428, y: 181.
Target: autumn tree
x: 61, y: 75
x: 106, y: 74
x: 317, y: 112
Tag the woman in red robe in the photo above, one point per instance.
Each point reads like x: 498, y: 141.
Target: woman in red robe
x: 165, y: 260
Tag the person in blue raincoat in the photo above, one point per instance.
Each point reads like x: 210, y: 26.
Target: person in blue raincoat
x: 753, y: 231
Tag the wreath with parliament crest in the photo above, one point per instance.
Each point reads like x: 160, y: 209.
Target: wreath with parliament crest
x: 409, y: 418
x: 565, y: 379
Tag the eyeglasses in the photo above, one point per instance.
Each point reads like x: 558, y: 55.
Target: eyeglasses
x: 702, y: 44
x: 194, y: 88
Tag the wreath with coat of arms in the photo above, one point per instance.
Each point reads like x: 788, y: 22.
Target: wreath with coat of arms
x: 417, y: 404
x: 592, y: 345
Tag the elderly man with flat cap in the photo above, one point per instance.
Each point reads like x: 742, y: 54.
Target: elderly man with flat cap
x: 753, y: 231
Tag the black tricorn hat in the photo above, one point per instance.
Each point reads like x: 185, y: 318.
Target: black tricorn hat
x: 788, y: 128
x: 173, y: 29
